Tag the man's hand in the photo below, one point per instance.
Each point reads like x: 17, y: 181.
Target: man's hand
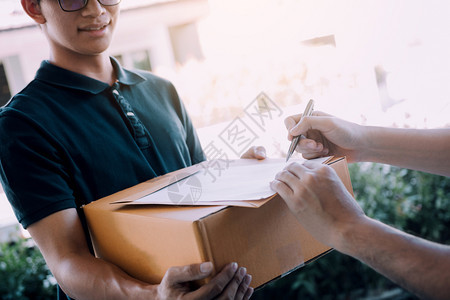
x: 61, y: 239
x: 231, y: 283
x: 326, y: 135
x: 318, y: 199
x: 255, y: 152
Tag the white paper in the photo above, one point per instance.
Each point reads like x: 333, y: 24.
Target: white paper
x: 237, y: 182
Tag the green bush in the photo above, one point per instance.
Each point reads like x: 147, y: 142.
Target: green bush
x: 412, y: 201
x: 24, y: 274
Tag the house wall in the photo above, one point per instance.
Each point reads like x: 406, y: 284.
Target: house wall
x: 166, y: 32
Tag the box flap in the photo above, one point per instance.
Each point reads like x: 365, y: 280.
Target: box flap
x: 244, y: 183
x: 181, y: 213
x: 151, y: 186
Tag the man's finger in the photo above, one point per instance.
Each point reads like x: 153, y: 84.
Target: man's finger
x: 249, y: 293
x: 318, y: 113
x: 310, y: 164
x: 288, y: 177
x: 217, y: 284
x: 291, y: 121
x: 297, y: 169
x: 231, y: 291
x: 281, y: 188
x: 318, y: 122
x: 244, y: 287
x: 188, y: 273
x: 258, y: 152
x: 308, y: 145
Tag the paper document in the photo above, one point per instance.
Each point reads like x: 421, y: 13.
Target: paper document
x: 242, y: 180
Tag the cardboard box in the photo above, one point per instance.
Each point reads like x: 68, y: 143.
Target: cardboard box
x: 145, y: 241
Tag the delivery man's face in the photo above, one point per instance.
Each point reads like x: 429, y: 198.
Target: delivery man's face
x: 87, y: 31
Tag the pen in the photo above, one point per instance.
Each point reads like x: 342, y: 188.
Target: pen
x: 308, y: 112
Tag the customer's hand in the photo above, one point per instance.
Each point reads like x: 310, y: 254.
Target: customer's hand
x: 326, y: 135
x: 230, y: 283
x: 255, y: 152
x: 319, y: 200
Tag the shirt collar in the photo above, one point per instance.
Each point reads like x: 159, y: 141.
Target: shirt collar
x: 65, y: 78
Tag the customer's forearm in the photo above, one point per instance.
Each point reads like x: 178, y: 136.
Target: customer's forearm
x: 418, y: 265
x: 420, y: 149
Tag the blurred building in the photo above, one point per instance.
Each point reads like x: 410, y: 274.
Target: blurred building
x: 151, y: 34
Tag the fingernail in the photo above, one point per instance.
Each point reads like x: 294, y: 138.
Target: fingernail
x: 206, y: 267
x: 242, y: 271
x: 234, y: 267
x: 248, y: 279
x: 261, y: 153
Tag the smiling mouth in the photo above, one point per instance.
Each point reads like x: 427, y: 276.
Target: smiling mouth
x: 94, y: 27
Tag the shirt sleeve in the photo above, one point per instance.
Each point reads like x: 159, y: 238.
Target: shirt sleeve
x: 192, y: 140
x: 32, y: 171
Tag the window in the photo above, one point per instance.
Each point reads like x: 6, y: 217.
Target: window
x: 141, y: 60
x: 5, y: 94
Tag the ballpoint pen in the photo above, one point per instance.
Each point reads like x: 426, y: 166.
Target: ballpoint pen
x: 308, y: 112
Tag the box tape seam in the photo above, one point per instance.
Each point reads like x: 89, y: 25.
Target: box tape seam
x: 203, y: 242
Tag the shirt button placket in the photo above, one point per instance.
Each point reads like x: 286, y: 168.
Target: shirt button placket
x: 138, y: 127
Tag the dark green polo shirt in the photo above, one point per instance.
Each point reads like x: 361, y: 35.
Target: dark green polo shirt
x: 67, y: 138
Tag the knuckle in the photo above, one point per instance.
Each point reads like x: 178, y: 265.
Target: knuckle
x: 229, y: 295
x: 241, y: 291
x: 288, y: 122
x: 243, y: 288
x: 307, y: 178
x: 170, y: 272
x: 217, y: 288
x: 282, y: 174
x: 303, y: 188
x: 191, y: 270
x: 291, y: 165
x: 300, y: 189
x: 230, y: 273
x: 275, y: 182
x: 237, y: 279
x: 325, y: 171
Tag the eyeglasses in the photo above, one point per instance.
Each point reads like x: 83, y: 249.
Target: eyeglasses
x: 74, y: 5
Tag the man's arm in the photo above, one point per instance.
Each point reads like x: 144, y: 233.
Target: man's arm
x: 425, y: 150
x: 418, y: 265
x: 420, y: 149
x: 319, y: 200
x: 61, y: 239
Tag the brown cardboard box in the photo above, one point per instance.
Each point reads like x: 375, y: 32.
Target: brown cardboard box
x: 146, y: 240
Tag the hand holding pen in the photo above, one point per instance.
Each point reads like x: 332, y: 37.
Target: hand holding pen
x: 308, y: 112
x: 326, y: 135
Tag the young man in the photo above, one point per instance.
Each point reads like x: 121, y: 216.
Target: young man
x: 85, y: 128
x: 319, y: 200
